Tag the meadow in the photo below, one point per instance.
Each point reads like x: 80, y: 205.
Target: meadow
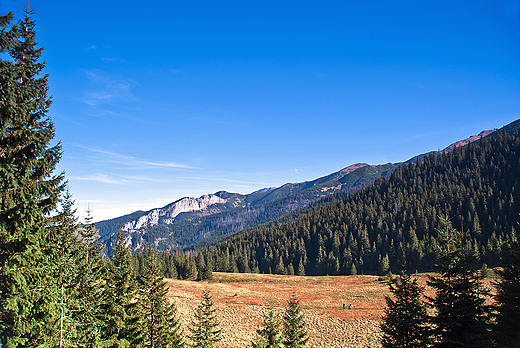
x: 241, y: 299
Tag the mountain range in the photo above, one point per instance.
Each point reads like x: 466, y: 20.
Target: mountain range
x: 195, y: 222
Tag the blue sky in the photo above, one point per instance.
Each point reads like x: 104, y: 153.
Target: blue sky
x: 154, y: 101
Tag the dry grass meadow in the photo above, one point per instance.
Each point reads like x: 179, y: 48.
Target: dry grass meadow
x: 241, y: 299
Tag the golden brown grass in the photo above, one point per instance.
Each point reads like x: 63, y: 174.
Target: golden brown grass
x: 242, y: 298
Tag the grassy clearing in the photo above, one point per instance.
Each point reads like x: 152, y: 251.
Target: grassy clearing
x: 242, y: 298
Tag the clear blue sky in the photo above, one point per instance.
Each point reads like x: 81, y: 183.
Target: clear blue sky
x: 154, y: 101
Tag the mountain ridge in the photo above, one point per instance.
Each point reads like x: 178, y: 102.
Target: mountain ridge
x: 187, y: 221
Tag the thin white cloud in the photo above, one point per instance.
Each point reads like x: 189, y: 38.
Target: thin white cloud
x: 134, y: 162
x: 98, y: 177
x: 297, y: 172
x: 228, y: 180
x: 113, y: 59
x: 106, y: 88
x: 93, y: 47
x: 89, y: 201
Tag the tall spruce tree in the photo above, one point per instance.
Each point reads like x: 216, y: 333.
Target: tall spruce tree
x: 29, y: 191
x: 294, y: 330
x: 508, y: 299
x: 269, y: 334
x: 7, y: 39
x: 63, y: 271
x: 163, y: 329
x: 462, y: 318
x: 89, y: 280
x: 204, y: 327
x: 120, y: 314
x: 405, y: 324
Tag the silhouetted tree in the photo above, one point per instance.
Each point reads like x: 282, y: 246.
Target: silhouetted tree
x: 405, y: 324
x: 462, y: 318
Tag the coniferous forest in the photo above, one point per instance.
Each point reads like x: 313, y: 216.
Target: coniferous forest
x: 389, y: 226
x: 454, y: 213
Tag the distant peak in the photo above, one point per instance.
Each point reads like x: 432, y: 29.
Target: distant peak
x: 265, y: 189
x: 471, y: 139
x: 353, y: 167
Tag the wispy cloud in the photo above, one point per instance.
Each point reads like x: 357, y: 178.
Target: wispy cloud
x: 228, y: 180
x: 93, y: 47
x: 88, y: 201
x: 113, y: 59
x: 117, y: 179
x: 134, y: 162
x: 98, y: 177
x: 106, y: 88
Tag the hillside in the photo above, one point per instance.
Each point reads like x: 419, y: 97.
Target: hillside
x: 200, y: 222
x: 393, y: 223
x: 190, y: 221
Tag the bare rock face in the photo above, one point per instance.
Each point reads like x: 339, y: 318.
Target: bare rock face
x: 168, y: 213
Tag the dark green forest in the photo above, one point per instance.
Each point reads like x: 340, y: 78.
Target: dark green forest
x: 389, y: 226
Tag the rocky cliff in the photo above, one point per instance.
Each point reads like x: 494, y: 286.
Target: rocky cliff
x: 168, y: 213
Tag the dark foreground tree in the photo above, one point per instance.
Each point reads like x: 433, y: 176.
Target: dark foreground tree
x: 7, y: 36
x: 294, y: 330
x: 462, y: 318
x: 121, y: 315
x: 73, y: 276
x: 161, y: 323
x: 508, y: 299
x: 269, y: 334
x: 406, y: 320
x: 204, y: 327
x: 29, y: 192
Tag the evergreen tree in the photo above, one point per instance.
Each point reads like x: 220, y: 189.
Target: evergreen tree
x: 280, y: 268
x: 204, y: 327
x: 120, y: 312
x: 89, y: 266
x: 7, y: 37
x: 508, y: 299
x: 462, y: 318
x: 406, y: 320
x: 29, y: 192
x: 269, y: 334
x: 162, y: 325
x: 75, y: 279
x: 301, y: 269
x: 204, y: 268
x: 294, y: 330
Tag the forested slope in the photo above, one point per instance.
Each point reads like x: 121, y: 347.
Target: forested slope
x: 393, y: 223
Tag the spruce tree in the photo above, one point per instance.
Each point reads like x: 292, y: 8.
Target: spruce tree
x: 161, y: 323
x: 462, y: 318
x: 406, y: 320
x: 269, y: 334
x: 29, y: 191
x: 121, y: 316
x: 508, y: 299
x: 89, y: 264
x: 73, y: 279
x: 301, y: 269
x: 7, y: 39
x: 294, y: 330
x: 204, y: 327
